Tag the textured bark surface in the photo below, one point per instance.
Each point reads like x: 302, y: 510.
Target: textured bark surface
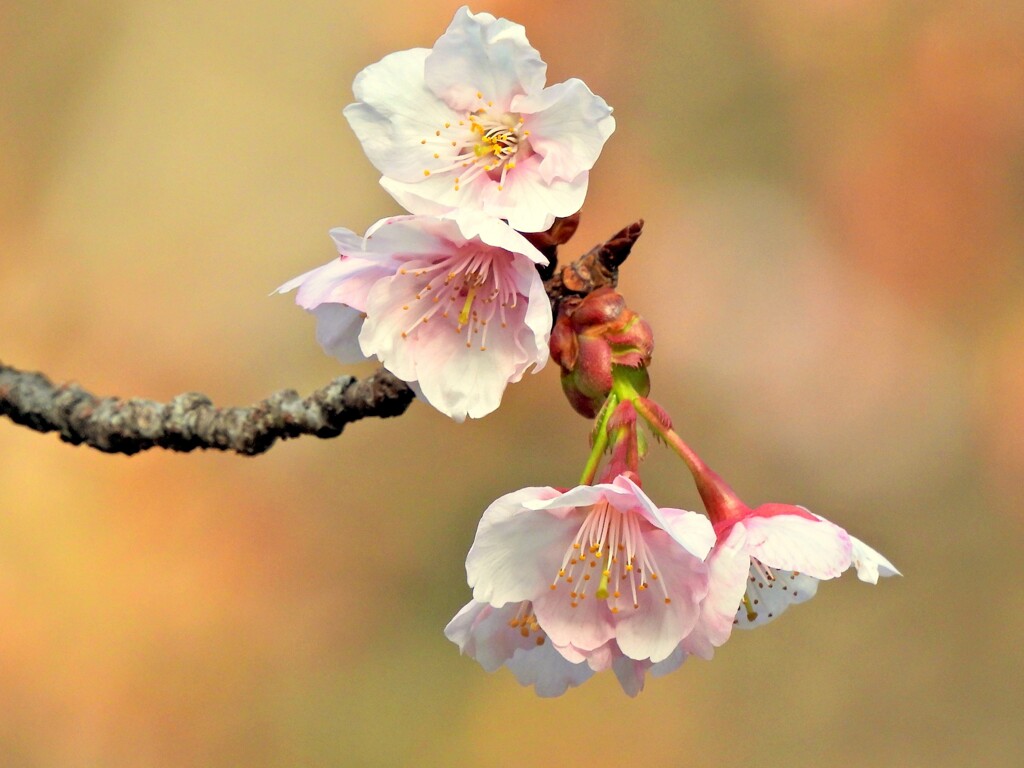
x: 190, y: 420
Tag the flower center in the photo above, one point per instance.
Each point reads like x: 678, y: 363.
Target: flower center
x: 468, y: 291
x: 615, y: 540
x: 484, y: 142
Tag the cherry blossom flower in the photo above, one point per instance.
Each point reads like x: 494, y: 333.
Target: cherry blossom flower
x: 470, y: 125
x: 453, y: 305
x: 765, y: 559
x: 598, y: 563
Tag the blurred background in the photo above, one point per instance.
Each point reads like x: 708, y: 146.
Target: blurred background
x: 833, y: 264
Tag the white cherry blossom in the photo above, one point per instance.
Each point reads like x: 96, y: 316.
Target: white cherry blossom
x: 470, y: 124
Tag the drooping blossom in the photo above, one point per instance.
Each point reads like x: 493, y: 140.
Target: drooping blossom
x: 452, y: 304
x: 765, y: 559
x: 470, y: 125
x: 598, y: 564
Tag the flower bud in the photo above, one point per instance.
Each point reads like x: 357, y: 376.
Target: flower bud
x: 591, y: 337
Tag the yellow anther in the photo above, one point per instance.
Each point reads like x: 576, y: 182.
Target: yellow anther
x: 426, y: 172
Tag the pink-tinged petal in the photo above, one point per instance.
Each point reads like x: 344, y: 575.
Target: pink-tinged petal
x: 869, y: 563
x: 488, y: 635
x: 397, y: 239
x: 585, y: 626
x: 768, y: 598
x: 473, y: 224
x: 568, y: 127
x: 793, y: 543
x: 601, y: 658
x: 340, y: 281
x: 587, y: 495
x: 728, y: 567
x: 543, y: 667
x: 691, y: 531
x: 482, y: 632
x: 435, y: 195
x: 480, y: 54
x: 670, y: 664
x: 395, y: 112
x: 517, y: 552
x: 630, y: 673
x: 337, y: 331
x: 477, y: 389
x: 654, y: 629
x: 530, y: 203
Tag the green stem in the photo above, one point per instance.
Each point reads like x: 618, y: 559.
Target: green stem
x: 600, y: 440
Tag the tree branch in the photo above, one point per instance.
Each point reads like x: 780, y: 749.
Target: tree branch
x: 190, y: 420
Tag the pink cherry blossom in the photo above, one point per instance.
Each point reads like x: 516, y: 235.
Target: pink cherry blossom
x: 598, y: 564
x: 765, y: 559
x: 452, y: 304
x: 470, y: 125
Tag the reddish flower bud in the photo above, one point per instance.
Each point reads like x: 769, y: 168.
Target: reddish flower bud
x: 591, y: 337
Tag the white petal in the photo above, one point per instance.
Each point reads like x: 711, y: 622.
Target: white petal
x: 669, y: 664
x: 482, y: 632
x: 517, y: 552
x: 770, y: 597
x: 475, y: 225
x: 550, y: 673
x: 568, y: 127
x: 630, y: 673
x: 481, y: 54
x: 337, y: 331
x: 869, y: 563
x: 690, y: 530
x: 793, y: 543
x: 395, y: 112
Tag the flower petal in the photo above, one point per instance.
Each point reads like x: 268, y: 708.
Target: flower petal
x: 480, y: 54
x: 690, y: 530
x: 337, y: 331
x: 482, y: 632
x: 568, y: 127
x: 770, y: 597
x: 869, y: 563
x: 586, y: 626
x: 654, y: 629
x: 795, y: 543
x: 550, y: 673
x: 728, y: 567
x: 517, y: 551
x: 394, y: 112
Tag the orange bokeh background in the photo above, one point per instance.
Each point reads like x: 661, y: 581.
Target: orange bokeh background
x: 833, y: 265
